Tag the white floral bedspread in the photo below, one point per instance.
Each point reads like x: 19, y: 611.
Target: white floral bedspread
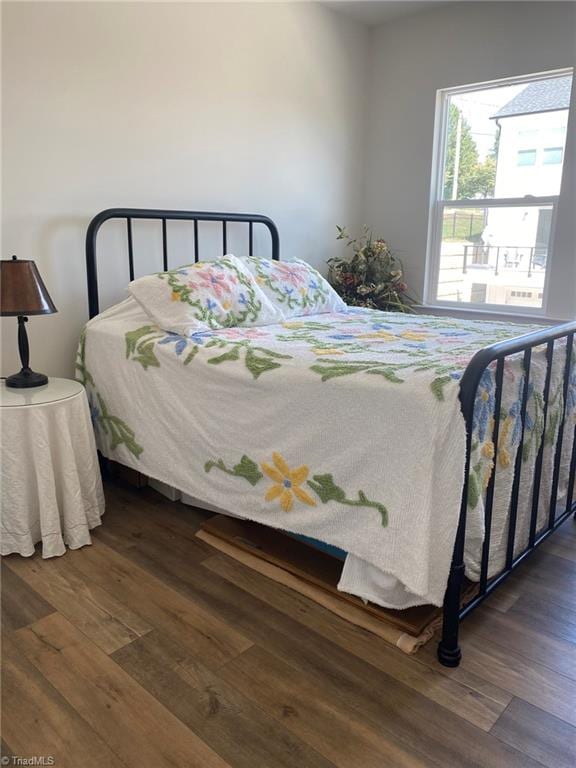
x: 343, y: 427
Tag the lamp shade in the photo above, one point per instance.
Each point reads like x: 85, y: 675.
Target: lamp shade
x: 22, y: 291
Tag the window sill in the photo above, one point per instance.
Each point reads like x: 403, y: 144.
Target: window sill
x: 487, y: 314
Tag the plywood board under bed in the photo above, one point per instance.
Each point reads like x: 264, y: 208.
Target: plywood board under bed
x: 315, y: 574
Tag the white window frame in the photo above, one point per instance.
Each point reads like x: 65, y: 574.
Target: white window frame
x: 438, y: 204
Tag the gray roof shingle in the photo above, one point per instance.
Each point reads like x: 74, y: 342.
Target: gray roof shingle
x: 539, y: 96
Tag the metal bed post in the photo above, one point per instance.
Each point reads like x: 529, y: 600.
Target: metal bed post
x: 449, y: 653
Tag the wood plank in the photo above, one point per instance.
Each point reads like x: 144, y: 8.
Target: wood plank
x: 21, y: 605
x: 510, y: 632
x: 95, y: 612
x: 223, y: 717
x: 321, y: 705
x: 479, y: 703
x: 545, y: 617
x: 523, y: 678
x: 560, y: 547
x: 134, y: 724
x: 540, y: 736
x: 37, y: 720
x: 212, y: 639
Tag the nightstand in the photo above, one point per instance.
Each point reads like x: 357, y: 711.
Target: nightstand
x: 51, y: 485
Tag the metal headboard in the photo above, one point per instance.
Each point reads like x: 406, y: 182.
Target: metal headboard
x: 164, y: 216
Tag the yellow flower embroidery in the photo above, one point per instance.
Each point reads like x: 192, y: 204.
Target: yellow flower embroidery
x: 413, y: 336
x: 382, y: 335
x: 226, y: 304
x: 303, y: 291
x: 320, y: 351
x: 488, y: 450
x: 175, y: 296
x: 504, y: 457
x: 287, y: 483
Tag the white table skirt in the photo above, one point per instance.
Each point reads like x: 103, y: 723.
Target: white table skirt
x: 51, y: 484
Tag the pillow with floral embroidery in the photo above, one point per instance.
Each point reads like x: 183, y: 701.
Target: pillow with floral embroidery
x: 208, y: 294
x: 294, y: 287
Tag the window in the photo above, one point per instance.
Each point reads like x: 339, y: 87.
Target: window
x: 553, y: 155
x: 493, y: 201
x: 526, y: 157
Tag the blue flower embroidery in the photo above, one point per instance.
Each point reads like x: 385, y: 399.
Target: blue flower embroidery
x: 343, y: 336
x: 515, y: 409
x: 314, y: 284
x: 174, y: 338
x: 484, y: 406
x: 211, y: 304
x: 94, y: 412
x: 199, y: 337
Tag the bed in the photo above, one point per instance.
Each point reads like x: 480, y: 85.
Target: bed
x: 426, y: 448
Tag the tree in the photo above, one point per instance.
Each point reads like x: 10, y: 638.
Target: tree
x: 475, y: 179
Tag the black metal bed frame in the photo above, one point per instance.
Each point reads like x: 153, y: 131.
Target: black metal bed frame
x: 449, y: 653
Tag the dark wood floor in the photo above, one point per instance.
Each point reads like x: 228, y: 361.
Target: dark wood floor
x: 149, y: 649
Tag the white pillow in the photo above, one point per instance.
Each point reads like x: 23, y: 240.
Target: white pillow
x: 208, y: 294
x: 294, y: 287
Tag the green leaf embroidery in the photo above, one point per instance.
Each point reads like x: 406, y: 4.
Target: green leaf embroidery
x: 245, y: 468
x: 85, y: 377
x: 327, y: 490
x: 437, y: 386
x: 118, y: 431
x: 232, y: 354
x: 140, y: 344
x: 191, y: 355
x: 133, y: 337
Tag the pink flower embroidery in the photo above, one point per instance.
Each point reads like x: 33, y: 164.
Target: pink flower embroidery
x: 242, y: 333
x: 217, y: 283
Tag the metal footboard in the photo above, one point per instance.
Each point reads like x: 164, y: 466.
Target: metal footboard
x: 455, y: 606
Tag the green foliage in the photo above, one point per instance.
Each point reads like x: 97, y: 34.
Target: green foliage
x: 475, y: 178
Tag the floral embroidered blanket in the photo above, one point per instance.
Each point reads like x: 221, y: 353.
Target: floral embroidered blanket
x: 344, y: 427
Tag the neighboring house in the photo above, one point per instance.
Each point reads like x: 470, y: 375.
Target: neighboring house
x: 530, y: 153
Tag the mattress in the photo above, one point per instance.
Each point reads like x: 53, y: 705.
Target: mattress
x: 345, y: 428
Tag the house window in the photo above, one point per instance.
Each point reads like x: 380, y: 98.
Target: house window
x: 526, y: 157
x: 553, y: 155
x: 493, y: 204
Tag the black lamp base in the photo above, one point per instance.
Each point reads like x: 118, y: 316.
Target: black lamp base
x: 26, y: 378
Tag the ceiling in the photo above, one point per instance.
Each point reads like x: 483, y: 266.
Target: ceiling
x: 374, y: 12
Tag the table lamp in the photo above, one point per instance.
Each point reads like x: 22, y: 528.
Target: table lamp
x: 22, y: 293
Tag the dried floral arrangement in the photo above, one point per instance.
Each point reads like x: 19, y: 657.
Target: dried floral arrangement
x: 372, y: 277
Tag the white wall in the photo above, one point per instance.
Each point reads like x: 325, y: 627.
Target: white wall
x: 456, y: 44
x: 241, y: 107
